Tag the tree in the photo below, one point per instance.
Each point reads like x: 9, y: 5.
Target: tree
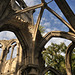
x: 54, y: 56
x: 41, y: 29
x: 73, y: 62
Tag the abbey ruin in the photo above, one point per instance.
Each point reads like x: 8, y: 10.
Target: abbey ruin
x: 17, y: 17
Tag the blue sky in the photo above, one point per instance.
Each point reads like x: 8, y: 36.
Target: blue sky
x: 49, y: 21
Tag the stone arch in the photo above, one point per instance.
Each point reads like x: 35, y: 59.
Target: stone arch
x: 17, y: 32
x: 8, y: 24
x: 48, y: 36
x: 68, y: 58
x: 49, y: 68
x: 18, y: 59
x: 2, y: 48
x: 66, y: 35
x: 10, y: 48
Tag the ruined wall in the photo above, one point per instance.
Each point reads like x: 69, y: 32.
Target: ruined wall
x: 18, y: 18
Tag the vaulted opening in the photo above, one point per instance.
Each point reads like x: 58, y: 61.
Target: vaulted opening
x: 6, y: 38
x: 54, y: 54
x: 12, y: 51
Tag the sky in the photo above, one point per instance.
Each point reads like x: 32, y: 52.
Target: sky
x: 48, y: 21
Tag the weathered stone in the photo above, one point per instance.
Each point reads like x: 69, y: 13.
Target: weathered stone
x: 17, y: 17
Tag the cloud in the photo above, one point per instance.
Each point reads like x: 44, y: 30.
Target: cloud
x: 10, y: 35
x: 6, y: 35
x: 51, y: 29
x: 47, y: 24
x: 54, y: 19
x: 32, y: 2
x: 48, y: 30
x: 47, y: 21
x: 57, y: 41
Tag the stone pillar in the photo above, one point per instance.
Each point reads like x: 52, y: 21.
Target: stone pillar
x: 30, y: 70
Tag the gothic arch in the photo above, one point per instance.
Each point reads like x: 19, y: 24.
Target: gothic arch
x: 17, y: 32
x: 49, y: 68
x: 49, y: 35
x: 18, y: 19
x: 68, y: 58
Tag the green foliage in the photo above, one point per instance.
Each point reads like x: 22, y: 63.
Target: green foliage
x: 54, y: 56
x: 41, y: 28
x: 73, y: 62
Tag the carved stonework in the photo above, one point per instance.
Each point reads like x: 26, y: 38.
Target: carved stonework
x: 17, y: 17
